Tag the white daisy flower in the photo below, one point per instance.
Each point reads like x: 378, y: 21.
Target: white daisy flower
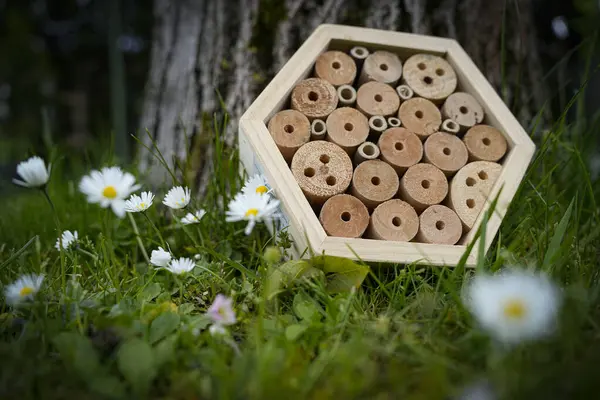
x: 180, y: 266
x: 66, y: 239
x: 256, y: 184
x: 33, y: 173
x: 160, y: 257
x: 221, y: 311
x: 109, y: 187
x: 23, y: 288
x: 178, y: 197
x: 515, y: 305
x: 253, y: 208
x: 193, y: 218
x: 139, y: 203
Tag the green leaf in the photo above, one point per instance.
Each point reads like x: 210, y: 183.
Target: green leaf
x: 554, y: 246
x: 185, y: 308
x: 344, y: 273
x: 165, y: 351
x: 108, y: 386
x: 79, y: 353
x: 293, y: 332
x: 163, y: 325
x: 150, y: 292
x: 283, y: 275
x: 305, y: 308
x: 136, y: 363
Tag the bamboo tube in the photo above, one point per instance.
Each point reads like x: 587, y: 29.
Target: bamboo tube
x: 346, y: 95
x: 485, y: 143
x: 366, y: 151
x: 450, y: 126
x: 470, y: 188
x: 445, y: 151
x: 344, y: 216
x: 336, y: 68
x: 400, y: 148
x: 289, y: 129
x: 420, y: 116
x: 315, y: 98
x: 430, y: 77
x: 381, y: 66
x: 405, y: 92
x: 376, y: 98
x: 378, y: 125
x: 440, y: 225
x: 394, y: 122
x: 464, y: 109
x: 318, y: 130
x: 374, y: 182
x: 348, y: 128
x: 322, y: 170
x: 423, y: 185
x: 393, y: 220
x: 359, y: 54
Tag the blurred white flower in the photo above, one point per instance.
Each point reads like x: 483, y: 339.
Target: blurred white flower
x: 515, y: 305
x: 221, y: 313
x: 178, y: 197
x: 139, y: 203
x: 109, y: 187
x: 160, y: 257
x: 33, y: 173
x: 560, y: 27
x: 253, y: 208
x: 181, y: 265
x: 256, y: 184
x: 193, y: 218
x: 66, y: 239
x: 23, y: 288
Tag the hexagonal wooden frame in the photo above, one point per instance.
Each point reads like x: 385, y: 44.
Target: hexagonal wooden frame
x: 259, y: 153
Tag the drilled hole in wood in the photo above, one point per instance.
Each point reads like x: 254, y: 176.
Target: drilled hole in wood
x: 288, y: 128
x: 419, y: 114
x: 309, y: 172
x: 399, y: 146
x: 336, y: 65
x: 383, y: 67
x: 324, y: 158
x: 348, y: 126
x: 486, y: 141
x: 471, y: 182
x: 446, y: 151
x: 346, y: 216
x: 396, y: 221
x: 369, y: 150
x: 378, y: 98
x: 313, y: 96
x: 330, y: 180
x: 425, y: 184
x: 375, y: 180
x: 440, y: 72
x: 421, y: 66
x: 470, y: 203
x: 463, y: 109
x: 482, y: 175
x: 428, y: 80
x: 440, y: 225
x: 346, y: 94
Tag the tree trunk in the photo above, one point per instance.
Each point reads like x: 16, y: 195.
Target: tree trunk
x: 203, y: 48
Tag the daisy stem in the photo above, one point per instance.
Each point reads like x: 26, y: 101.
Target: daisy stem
x: 162, y: 241
x: 185, y: 229
x: 63, y: 270
x: 87, y: 253
x: 138, y: 238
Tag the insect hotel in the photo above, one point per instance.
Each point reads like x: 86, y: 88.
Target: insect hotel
x: 385, y: 145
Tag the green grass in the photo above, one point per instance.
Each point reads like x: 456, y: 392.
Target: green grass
x: 113, y: 327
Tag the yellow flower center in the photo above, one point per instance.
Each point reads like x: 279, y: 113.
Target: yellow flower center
x: 142, y: 205
x: 109, y: 192
x: 252, y: 211
x: 262, y: 189
x: 514, y: 309
x: 26, y: 291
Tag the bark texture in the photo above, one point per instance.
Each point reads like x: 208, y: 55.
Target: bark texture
x: 203, y: 49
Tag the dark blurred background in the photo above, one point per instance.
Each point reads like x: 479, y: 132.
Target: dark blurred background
x: 72, y: 72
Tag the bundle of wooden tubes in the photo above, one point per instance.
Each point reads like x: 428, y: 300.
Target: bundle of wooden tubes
x: 388, y: 149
